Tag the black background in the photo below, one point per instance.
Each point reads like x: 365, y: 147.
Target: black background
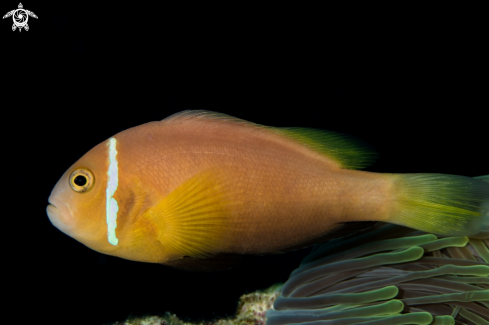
x: 409, y: 80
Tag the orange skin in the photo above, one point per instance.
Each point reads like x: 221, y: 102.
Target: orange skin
x: 284, y: 194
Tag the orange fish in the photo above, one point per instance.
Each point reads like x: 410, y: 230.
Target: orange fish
x: 199, y: 187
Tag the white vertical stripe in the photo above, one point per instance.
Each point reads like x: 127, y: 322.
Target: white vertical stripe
x: 112, y: 182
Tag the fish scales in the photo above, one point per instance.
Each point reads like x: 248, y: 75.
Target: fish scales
x: 201, y: 184
x: 275, y: 195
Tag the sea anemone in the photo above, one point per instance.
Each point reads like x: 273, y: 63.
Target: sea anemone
x: 389, y: 274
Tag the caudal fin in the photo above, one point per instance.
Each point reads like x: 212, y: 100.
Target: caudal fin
x: 483, y: 178
x: 441, y: 204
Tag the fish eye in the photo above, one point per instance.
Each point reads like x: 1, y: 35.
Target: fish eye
x: 81, y: 180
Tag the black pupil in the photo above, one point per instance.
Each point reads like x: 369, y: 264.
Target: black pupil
x: 80, y: 180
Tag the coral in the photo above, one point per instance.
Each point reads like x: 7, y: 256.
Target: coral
x: 252, y: 307
x: 251, y: 310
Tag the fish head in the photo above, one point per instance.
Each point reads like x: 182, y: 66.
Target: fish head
x: 100, y: 201
x: 77, y: 204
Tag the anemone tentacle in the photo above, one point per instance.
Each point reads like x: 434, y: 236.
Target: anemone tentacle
x: 389, y: 274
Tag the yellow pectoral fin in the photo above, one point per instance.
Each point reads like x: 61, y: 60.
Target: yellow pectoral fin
x: 193, y: 218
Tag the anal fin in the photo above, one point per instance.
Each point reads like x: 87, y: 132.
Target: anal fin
x: 340, y: 230
x: 219, y: 262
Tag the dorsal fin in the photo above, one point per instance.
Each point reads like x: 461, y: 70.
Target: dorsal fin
x: 209, y: 115
x: 348, y: 151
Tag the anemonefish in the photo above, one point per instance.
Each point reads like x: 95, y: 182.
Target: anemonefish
x: 198, y: 188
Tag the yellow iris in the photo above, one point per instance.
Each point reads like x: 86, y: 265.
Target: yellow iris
x: 81, y: 180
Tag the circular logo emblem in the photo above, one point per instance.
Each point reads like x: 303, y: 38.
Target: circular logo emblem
x: 20, y: 17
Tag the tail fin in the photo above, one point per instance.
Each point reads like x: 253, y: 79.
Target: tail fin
x: 483, y: 178
x: 441, y: 204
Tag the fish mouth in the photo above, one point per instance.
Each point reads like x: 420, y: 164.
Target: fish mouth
x: 52, y: 208
x: 53, y: 212
x: 61, y: 212
x: 58, y: 219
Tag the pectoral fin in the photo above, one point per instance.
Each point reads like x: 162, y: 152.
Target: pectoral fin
x: 193, y: 219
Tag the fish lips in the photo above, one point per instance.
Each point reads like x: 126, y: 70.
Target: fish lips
x: 62, y: 221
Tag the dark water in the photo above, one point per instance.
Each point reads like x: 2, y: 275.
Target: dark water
x: 405, y: 80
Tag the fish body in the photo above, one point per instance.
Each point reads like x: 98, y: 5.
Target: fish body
x: 199, y: 184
